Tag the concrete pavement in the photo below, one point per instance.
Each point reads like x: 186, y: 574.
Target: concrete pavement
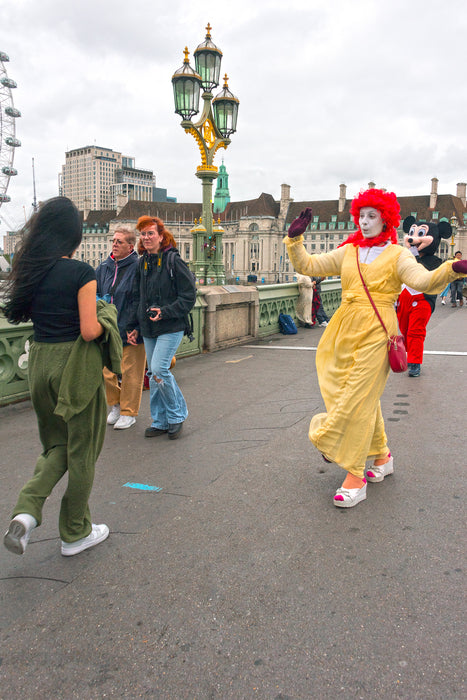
x: 239, y: 578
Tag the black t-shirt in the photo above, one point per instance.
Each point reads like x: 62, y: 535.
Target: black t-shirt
x: 55, y: 313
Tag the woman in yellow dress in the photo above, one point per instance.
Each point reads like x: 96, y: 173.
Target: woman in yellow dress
x: 352, y: 359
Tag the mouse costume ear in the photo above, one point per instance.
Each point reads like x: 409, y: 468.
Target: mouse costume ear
x: 408, y: 221
x: 445, y: 229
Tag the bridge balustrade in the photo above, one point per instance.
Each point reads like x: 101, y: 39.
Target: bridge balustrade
x: 273, y: 300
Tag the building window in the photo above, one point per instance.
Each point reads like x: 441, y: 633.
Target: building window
x: 341, y: 225
x: 435, y: 215
x: 414, y: 214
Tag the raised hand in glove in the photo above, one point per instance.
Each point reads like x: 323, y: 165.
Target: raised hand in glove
x: 460, y: 266
x: 299, y: 225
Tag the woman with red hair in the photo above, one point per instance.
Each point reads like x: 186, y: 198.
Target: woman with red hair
x: 164, y: 293
x: 352, y: 358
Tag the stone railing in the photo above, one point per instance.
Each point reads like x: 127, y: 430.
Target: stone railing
x: 222, y: 317
x: 14, y: 352
x: 281, y: 298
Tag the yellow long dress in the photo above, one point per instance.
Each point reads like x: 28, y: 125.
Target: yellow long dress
x: 352, y: 360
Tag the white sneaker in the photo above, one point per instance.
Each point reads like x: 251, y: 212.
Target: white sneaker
x: 98, y: 534
x: 17, y: 536
x: 347, y: 498
x: 377, y: 473
x: 114, y: 414
x: 323, y: 324
x: 443, y: 301
x: 124, y: 422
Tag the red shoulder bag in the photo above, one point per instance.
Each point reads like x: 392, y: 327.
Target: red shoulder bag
x: 397, y: 353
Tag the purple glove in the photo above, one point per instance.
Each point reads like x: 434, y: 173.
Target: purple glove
x: 299, y: 225
x: 459, y: 266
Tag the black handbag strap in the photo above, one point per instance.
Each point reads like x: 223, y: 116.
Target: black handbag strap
x: 368, y: 293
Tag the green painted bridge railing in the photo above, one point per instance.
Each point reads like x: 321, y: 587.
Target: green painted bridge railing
x: 273, y: 300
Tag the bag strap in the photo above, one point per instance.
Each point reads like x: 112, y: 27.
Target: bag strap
x: 368, y: 293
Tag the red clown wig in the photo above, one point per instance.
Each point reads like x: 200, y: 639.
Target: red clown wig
x: 387, y: 205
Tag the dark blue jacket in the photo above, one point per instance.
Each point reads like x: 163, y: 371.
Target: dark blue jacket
x: 123, y: 272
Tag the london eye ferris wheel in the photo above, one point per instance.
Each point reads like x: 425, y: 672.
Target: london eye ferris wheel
x: 8, y: 140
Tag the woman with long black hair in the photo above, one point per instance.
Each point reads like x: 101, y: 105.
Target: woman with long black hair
x: 58, y: 293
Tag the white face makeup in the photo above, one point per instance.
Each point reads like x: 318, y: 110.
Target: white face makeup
x: 370, y: 222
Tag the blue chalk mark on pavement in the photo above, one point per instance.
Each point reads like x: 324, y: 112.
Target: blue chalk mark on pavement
x: 142, y: 487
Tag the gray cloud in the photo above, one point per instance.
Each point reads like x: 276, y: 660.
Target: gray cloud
x: 330, y: 92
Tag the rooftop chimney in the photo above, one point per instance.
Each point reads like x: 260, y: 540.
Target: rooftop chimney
x: 122, y: 199
x: 284, y: 206
x: 285, y: 192
x: 87, y: 208
x: 371, y: 185
x: 461, y: 189
x: 342, y: 197
x: 434, y: 192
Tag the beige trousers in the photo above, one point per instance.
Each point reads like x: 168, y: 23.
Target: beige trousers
x: 128, y: 392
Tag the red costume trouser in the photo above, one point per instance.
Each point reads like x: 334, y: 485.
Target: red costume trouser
x: 413, y: 314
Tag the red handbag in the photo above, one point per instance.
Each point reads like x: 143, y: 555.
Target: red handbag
x: 397, y: 353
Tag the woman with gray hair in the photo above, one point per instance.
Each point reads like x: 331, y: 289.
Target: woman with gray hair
x: 115, y: 278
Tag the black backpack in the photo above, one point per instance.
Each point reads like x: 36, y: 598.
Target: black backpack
x: 170, y: 260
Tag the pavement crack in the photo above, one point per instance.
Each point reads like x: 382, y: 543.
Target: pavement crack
x: 37, y: 578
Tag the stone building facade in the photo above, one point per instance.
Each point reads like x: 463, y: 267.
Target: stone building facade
x: 254, y: 229
x: 93, y: 176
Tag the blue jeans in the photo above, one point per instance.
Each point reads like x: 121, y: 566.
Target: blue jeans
x: 166, y: 401
x: 445, y: 291
x: 456, y: 290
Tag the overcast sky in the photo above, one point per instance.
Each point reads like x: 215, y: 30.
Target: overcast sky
x: 331, y: 91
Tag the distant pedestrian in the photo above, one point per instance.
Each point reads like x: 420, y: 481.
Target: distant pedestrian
x: 457, y: 286
x: 71, y: 338
x: 320, y: 315
x: 115, y: 277
x: 164, y: 292
x: 444, y: 293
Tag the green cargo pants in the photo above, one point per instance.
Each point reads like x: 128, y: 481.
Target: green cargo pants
x: 71, y: 447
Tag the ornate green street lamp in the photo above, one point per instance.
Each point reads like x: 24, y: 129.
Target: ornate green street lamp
x: 217, y: 122
x: 454, y: 224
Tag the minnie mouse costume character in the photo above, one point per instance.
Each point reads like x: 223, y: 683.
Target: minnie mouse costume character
x: 352, y: 359
x: 414, y: 309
